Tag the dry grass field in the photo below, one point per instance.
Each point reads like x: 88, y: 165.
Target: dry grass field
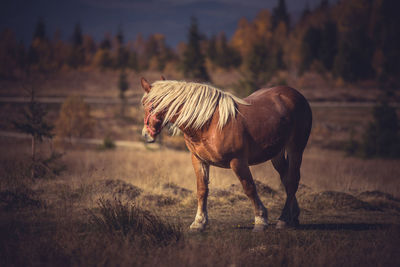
x: 350, y: 212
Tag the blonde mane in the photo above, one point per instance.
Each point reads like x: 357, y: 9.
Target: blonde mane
x: 193, y: 103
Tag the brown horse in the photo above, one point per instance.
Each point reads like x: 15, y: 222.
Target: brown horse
x: 225, y: 131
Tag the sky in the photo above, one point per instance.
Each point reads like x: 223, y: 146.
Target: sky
x: 168, y: 17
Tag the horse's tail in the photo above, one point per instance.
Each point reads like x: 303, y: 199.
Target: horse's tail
x: 302, y: 124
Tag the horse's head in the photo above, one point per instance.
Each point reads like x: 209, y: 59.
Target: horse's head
x: 153, y: 122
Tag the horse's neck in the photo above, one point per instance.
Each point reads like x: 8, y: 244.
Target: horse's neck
x: 191, y: 134
x: 199, y: 134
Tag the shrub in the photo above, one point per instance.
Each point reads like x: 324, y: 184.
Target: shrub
x: 123, y: 84
x: 381, y: 137
x: 108, y: 143
x: 19, y: 199
x: 352, y: 146
x: 74, y: 120
x: 133, y: 223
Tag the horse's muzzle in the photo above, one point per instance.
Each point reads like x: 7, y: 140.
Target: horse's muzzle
x: 147, y: 137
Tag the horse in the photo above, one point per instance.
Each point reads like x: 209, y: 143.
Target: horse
x: 225, y: 131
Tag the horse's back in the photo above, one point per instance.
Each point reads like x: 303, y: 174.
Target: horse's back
x: 275, y: 117
x: 288, y: 94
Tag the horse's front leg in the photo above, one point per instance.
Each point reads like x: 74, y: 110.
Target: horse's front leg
x: 202, y: 171
x: 242, y: 171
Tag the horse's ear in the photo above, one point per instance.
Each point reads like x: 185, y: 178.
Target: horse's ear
x: 162, y: 78
x: 145, y: 85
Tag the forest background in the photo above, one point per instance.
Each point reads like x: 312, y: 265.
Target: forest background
x: 344, y: 43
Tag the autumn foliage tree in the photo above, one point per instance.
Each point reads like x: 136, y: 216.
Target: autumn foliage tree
x: 260, y: 51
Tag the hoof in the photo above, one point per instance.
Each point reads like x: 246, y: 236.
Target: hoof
x: 259, y: 228
x: 197, y: 227
x: 284, y: 225
x: 281, y: 225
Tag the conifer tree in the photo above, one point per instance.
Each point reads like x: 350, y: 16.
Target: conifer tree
x: 221, y: 53
x: 122, y: 57
x: 212, y: 49
x: 103, y: 55
x: 77, y: 55
x: 77, y: 39
x: 133, y: 61
x: 193, y: 58
x: 280, y: 14
x: 354, y: 57
x: 35, y: 125
x: 227, y: 57
x: 306, y: 11
x: 256, y: 69
x: 386, y: 37
x: 123, y: 86
x: 328, y: 47
x: 324, y: 4
x: 40, y: 30
x: 309, y: 48
x: 120, y: 37
x: 39, y: 38
x: 258, y: 63
x: 105, y: 43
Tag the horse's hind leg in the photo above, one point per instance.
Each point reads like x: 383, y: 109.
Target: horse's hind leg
x: 289, y: 171
x: 242, y: 171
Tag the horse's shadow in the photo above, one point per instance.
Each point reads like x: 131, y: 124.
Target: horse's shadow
x: 336, y: 226
x: 344, y: 226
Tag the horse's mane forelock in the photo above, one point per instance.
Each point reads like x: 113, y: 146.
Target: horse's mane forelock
x: 193, y: 103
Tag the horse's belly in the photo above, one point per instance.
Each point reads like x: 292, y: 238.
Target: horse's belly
x: 259, y: 154
x: 222, y: 162
x: 260, y: 158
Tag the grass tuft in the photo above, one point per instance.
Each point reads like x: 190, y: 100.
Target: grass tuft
x: 15, y: 200
x: 133, y: 223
